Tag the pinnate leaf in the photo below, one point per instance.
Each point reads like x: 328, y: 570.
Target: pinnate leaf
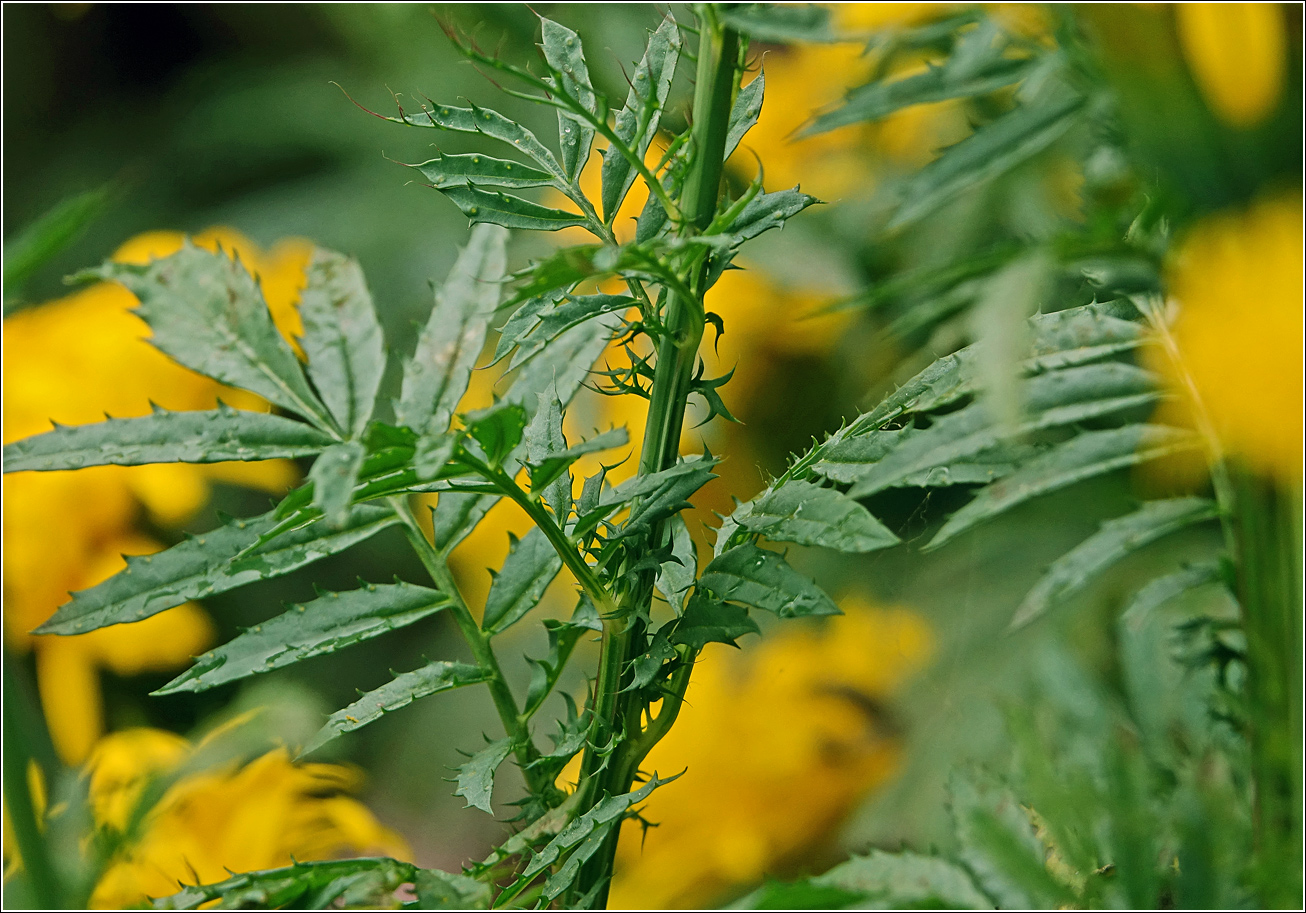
x: 801, y: 512
x: 476, y: 777
x: 708, y: 621
x: 564, y: 53
x: 763, y: 579
x: 530, y: 567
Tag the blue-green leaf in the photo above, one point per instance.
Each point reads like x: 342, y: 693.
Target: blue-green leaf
x: 522, y: 321
x: 475, y: 168
x: 476, y: 777
x: 328, y: 624
x: 776, y: 24
x: 563, y: 52
x: 208, y: 313
x: 1084, y: 456
x: 1117, y: 538
x: 766, y: 211
x: 436, y: 377
x: 199, y: 567
x: 211, y: 436
x: 342, y: 339
x: 302, y: 886
x: 572, y: 311
x: 498, y: 208
x: 402, y: 691
x: 530, y: 567
x: 808, y: 514
x: 763, y: 579
x: 637, y: 123
x: 745, y: 112
x: 486, y: 121
x: 334, y: 475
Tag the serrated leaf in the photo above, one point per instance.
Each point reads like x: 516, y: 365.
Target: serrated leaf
x: 776, y: 24
x: 676, y: 577
x: 475, y: 168
x: 1079, y: 335
x: 438, y: 890
x: 198, y: 567
x: 498, y: 208
x: 544, y: 442
x: 745, y: 111
x: 522, y: 321
x: 664, y: 494
x: 208, y: 314
x: 303, y: 886
x: 498, y: 429
x: 476, y: 777
x: 1161, y: 590
x: 488, y: 122
x: 1050, y: 400
x: 342, y: 339
x: 1117, y: 538
x: 328, y: 624
x: 436, y: 377
x: 530, y: 567
x: 562, y: 636
x: 572, y: 311
x: 334, y: 475
x: 1084, y: 456
x: 394, y: 695
x: 808, y: 514
x: 763, y: 579
x: 669, y: 486
x: 707, y: 621
x: 637, y: 123
x: 993, y: 149
x: 766, y: 211
x: 211, y: 436
x: 564, y: 53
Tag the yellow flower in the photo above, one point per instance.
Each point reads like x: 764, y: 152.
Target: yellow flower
x: 1237, y: 54
x: 72, y: 361
x: 1237, y: 278
x: 259, y: 815
x: 779, y: 741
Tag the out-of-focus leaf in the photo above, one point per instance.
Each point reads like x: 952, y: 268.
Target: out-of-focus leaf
x: 776, y: 24
x: 208, y: 313
x: 993, y: 149
x: 475, y: 168
x: 563, y: 52
x: 498, y: 208
x: 329, y: 623
x: 199, y: 567
x: 762, y: 579
x: 39, y: 242
x: 436, y: 377
x: 334, y: 475
x: 1079, y: 335
x: 675, y: 577
x: 808, y: 514
x: 903, y: 881
x: 211, y: 436
x: 637, y: 123
x: 1084, y: 456
x: 476, y: 777
x: 707, y: 621
x: 302, y: 886
x: 402, y: 691
x: 438, y: 890
x: 1116, y: 539
x: 342, y: 339
x: 530, y: 567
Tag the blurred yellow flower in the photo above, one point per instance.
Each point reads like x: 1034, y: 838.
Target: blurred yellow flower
x: 779, y: 741
x: 1237, y: 278
x: 1237, y: 55
x: 259, y: 815
x: 71, y: 361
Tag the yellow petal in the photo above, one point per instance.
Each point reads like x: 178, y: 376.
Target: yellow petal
x: 1236, y: 52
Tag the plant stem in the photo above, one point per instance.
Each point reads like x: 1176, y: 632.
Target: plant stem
x: 1267, y: 524
x: 477, y: 641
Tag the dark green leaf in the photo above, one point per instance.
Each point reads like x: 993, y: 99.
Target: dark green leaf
x: 36, y: 244
x: 762, y: 579
x: 666, y: 493
x: 563, y: 636
x: 432, y: 453
x: 993, y: 149
x: 1089, y: 454
x: 491, y: 123
x: 746, y: 110
x: 208, y: 313
x: 707, y: 621
x: 527, y: 572
x: 670, y: 486
x: 574, y: 310
x: 475, y: 168
x: 1116, y: 539
x: 498, y: 208
x: 808, y: 514
x: 563, y: 52
x: 402, y: 691
x: 675, y: 577
x: 637, y: 123
x: 211, y: 436
x: 476, y: 777
x: 437, y: 375
x: 328, y: 624
x: 199, y: 567
x: 342, y: 339
x: 334, y: 475
x: 776, y: 24
x: 497, y: 429
x: 302, y: 886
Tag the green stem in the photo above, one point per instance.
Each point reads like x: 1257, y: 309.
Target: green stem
x: 21, y: 748
x: 1267, y: 525
x: 482, y: 652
